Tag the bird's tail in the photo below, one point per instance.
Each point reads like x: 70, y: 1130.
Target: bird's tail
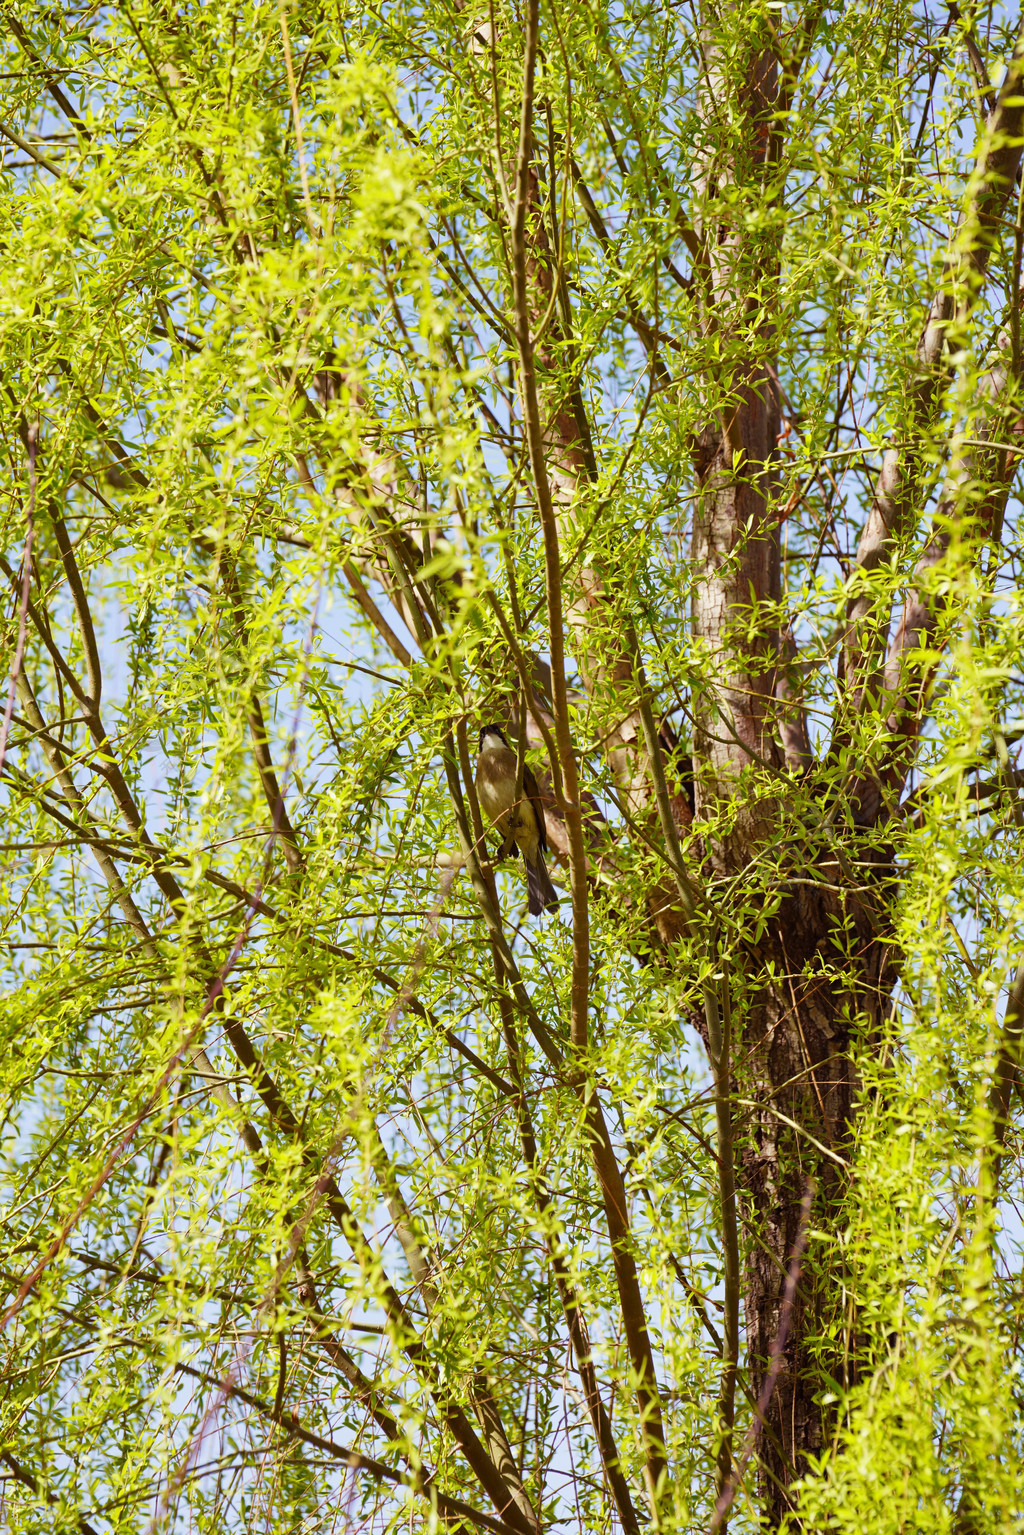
x: 539, y: 887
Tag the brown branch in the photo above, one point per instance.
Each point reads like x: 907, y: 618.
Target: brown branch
x: 977, y: 485
x: 985, y: 91
x: 375, y: 616
x: 36, y: 155
x: 776, y: 1356
x: 607, y: 1169
x: 70, y: 112
x: 272, y: 792
x: 719, y: 1046
x: 26, y: 585
x: 423, y: 1269
x: 580, y: 982
x: 790, y: 76
x: 1007, y: 1069
x: 575, y: 1320
x: 643, y: 327
x: 93, y: 670
x: 35, y: 1484
x: 609, y: 1175
x: 972, y: 245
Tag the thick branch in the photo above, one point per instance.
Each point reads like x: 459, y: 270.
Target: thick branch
x: 945, y: 330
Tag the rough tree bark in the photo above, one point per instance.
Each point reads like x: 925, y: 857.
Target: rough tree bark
x: 824, y: 967
x: 790, y: 1057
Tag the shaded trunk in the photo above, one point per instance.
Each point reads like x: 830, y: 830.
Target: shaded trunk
x: 800, y: 991
x: 818, y: 974
x: 832, y: 977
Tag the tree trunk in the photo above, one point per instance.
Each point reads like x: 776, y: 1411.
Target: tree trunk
x: 798, y: 993
x: 828, y: 953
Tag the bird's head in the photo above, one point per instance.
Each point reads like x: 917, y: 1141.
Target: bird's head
x: 491, y: 737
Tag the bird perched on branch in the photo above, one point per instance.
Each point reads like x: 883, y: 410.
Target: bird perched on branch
x: 523, y: 822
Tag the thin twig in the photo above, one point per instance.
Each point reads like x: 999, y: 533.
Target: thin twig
x: 300, y: 148
x: 775, y: 1357
x: 26, y: 582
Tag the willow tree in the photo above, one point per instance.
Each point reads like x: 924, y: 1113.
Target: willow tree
x: 645, y: 380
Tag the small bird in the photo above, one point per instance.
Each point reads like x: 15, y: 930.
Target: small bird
x: 496, y: 791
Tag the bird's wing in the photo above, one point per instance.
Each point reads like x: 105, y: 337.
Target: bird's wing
x: 532, y: 793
